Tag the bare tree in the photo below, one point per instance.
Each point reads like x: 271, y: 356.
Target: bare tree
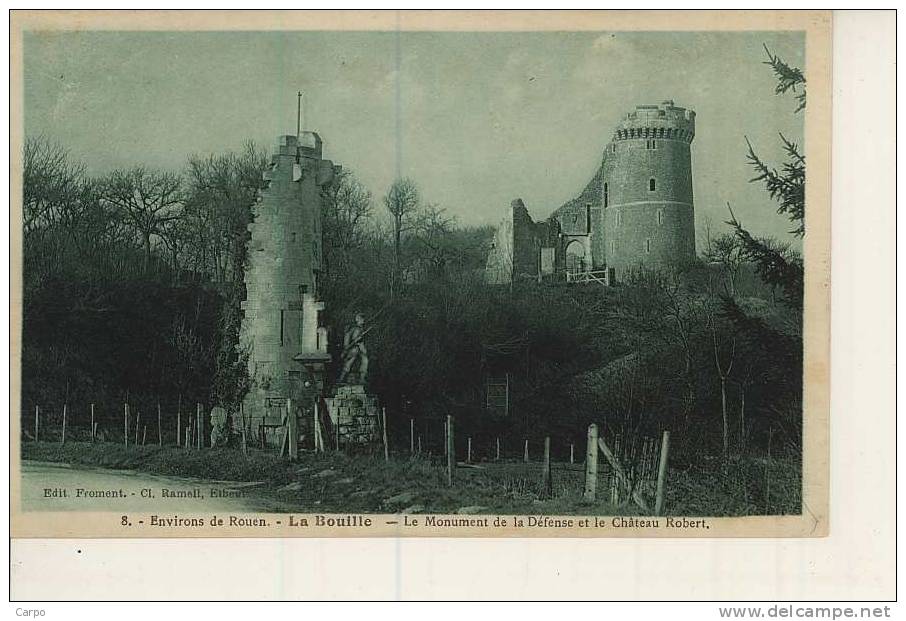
x: 219, y: 194
x: 191, y: 355
x: 347, y: 206
x: 50, y: 182
x: 433, y: 237
x: 147, y: 199
x: 658, y: 307
x: 724, y: 357
x: 402, y: 201
x: 726, y: 250
x: 744, y: 381
x: 706, y: 229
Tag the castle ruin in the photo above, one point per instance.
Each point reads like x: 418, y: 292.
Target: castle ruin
x: 280, y: 326
x: 636, y: 211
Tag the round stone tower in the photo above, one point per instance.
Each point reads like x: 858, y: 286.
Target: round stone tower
x: 647, y: 190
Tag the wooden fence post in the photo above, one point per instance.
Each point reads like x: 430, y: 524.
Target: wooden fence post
x: 37, y: 411
x: 546, y: 483
x: 178, y: 427
x: 93, y: 426
x: 186, y: 441
x: 525, y: 452
x: 126, y: 424
x: 160, y: 434
x: 384, y: 433
x: 245, y: 445
x: 469, y: 450
x: 662, y: 474
x: 620, y: 481
x: 316, y: 439
x: 572, y: 453
x: 591, y: 464
x: 292, y: 433
x: 451, y: 450
x: 144, y: 434
x: 63, y: 437
x: 412, y: 436
x: 138, y: 423
x: 498, y: 449
x: 419, y: 445
x: 199, y: 421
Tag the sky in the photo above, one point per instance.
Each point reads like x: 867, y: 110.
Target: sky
x: 475, y: 119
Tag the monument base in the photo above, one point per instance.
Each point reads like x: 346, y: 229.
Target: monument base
x: 355, y: 415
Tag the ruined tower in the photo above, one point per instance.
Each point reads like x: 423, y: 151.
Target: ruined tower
x: 280, y: 326
x: 521, y: 248
x: 646, y: 190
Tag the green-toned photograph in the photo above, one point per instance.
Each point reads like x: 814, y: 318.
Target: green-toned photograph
x: 434, y: 276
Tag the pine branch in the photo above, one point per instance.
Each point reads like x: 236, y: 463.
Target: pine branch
x: 776, y: 265
x: 788, y: 78
x: 786, y: 187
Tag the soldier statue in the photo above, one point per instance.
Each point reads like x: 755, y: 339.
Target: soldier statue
x: 354, y: 350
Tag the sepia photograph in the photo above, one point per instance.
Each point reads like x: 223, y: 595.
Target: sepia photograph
x: 302, y: 281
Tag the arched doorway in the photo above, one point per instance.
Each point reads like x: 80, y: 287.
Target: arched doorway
x: 576, y: 259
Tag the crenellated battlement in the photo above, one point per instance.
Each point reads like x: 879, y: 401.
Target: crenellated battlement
x: 663, y: 121
x: 637, y: 210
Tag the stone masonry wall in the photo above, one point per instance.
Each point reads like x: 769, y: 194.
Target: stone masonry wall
x: 649, y: 217
x: 284, y: 259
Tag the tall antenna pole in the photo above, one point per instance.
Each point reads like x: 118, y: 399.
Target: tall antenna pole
x: 298, y: 114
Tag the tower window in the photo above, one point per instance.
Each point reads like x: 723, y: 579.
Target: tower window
x: 613, y: 247
x: 605, y: 194
x: 648, y: 245
x: 660, y: 216
x: 281, y: 327
x: 651, y: 185
x: 617, y: 218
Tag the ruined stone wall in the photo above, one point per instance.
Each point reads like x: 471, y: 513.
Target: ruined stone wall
x: 526, y: 243
x: 621, y: 219
x: 647, y: 189
x: 515, y: 252
x: 581, y: 220
x: 499, y: 268
x: 284, y: 258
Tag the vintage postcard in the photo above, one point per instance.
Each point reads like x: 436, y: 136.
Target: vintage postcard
x: 468, y: 274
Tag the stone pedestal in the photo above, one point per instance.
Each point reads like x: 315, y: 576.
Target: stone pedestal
x: 355, y: 415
